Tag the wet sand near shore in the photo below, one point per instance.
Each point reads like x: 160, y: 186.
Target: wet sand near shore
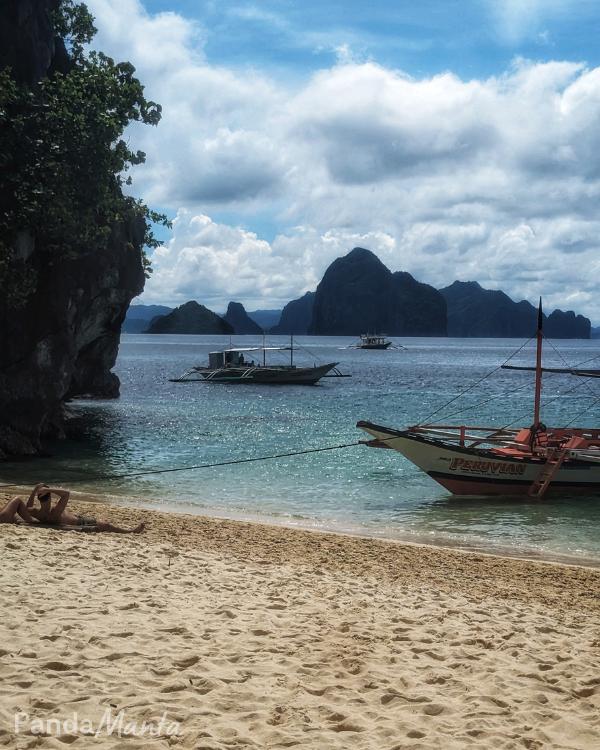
x: 255, y: 636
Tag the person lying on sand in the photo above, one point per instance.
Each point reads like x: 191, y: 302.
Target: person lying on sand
x: 12, y: 509
x: 57, y: 515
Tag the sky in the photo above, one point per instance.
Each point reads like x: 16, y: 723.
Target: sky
x: 454, y: 139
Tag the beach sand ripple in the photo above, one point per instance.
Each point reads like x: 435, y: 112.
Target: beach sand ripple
x: 253, y: 636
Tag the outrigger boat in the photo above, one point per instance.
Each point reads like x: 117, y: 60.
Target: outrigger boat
x: 372, y: 341
x: 477, y: 460
x: 231, y: 366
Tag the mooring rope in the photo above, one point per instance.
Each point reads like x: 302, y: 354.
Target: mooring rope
x: 339, y: 446
x: 233, y: 462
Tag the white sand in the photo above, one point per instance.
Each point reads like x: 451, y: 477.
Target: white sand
x: 252, y: 636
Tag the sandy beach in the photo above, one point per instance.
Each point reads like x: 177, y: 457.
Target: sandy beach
x: 223, y: 634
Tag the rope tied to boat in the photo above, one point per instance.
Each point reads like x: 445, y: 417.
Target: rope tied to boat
x: 232, y: 462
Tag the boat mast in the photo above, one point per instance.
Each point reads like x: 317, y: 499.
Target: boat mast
x: 264, y: 352
x: 538, y: 368
x: 291, y: 350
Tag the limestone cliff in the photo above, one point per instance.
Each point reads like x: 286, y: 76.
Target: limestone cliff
x: 359, y: 294
x: 238, y: 319
x: 477, y: 312
x: 28, y: 44
x: 296, y: 316
x: 567, y: 325
x: 63, y: 340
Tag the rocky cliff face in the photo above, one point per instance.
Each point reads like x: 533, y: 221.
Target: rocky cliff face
x: 28, y: 44
x: 296, y: 316
x: 190, y: 318
x: 63, y: 342
x: 567, y: 325
x: 238, y: 319
x: 358, y: 294
x: 477, y: 312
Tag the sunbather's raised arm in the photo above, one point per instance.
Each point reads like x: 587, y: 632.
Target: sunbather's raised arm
x: 34, y: 493
x: 63, y: 499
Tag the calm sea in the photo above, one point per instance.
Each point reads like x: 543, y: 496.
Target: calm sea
x: 158, y: 424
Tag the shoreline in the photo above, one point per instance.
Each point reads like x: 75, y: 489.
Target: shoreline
x: 360, y: 532
x: 389, y: 551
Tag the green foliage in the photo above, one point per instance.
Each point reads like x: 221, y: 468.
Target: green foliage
x: 75, y: 25
x: 63, y: 161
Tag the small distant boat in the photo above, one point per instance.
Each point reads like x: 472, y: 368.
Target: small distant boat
x: 372, y: 341
x: 475, y: 460
x: 232, y: 366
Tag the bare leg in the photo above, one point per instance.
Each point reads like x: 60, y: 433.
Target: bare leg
x: 16, y: 507
x: 23, y: 511
x: 105, y: 526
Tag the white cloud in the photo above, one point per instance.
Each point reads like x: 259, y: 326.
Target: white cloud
x: 495, y: 180
x: 216, y: 263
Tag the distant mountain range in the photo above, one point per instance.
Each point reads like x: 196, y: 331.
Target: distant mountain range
x: 139, y: 317
x: 477, y: 312
x: 266, y: 319
x: 359, y: 294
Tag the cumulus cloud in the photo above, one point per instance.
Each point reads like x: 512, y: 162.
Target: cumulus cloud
x: 495, y: 180
x: 226, y: 262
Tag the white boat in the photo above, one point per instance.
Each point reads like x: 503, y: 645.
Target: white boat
x: 373, y: 341
x: 476, y: 460
x: 237, y: 365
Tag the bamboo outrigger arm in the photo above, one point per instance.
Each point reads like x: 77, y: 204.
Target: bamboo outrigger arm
x: 566, y: 370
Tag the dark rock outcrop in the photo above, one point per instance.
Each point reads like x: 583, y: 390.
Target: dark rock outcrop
x: 139, y: 317
x: 296, y: 316
x: 238, y: 319
x: 477, y: 312
x: 358, y: 293
x: 64, y: 340
x: 190, y: 318
x: 567, y: 325
x: 28, y: 44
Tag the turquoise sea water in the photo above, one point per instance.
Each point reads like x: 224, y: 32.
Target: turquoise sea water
x: 158, y: 424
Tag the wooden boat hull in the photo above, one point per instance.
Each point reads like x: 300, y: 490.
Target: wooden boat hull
x: 482, y: 471
x: 375, y: 346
